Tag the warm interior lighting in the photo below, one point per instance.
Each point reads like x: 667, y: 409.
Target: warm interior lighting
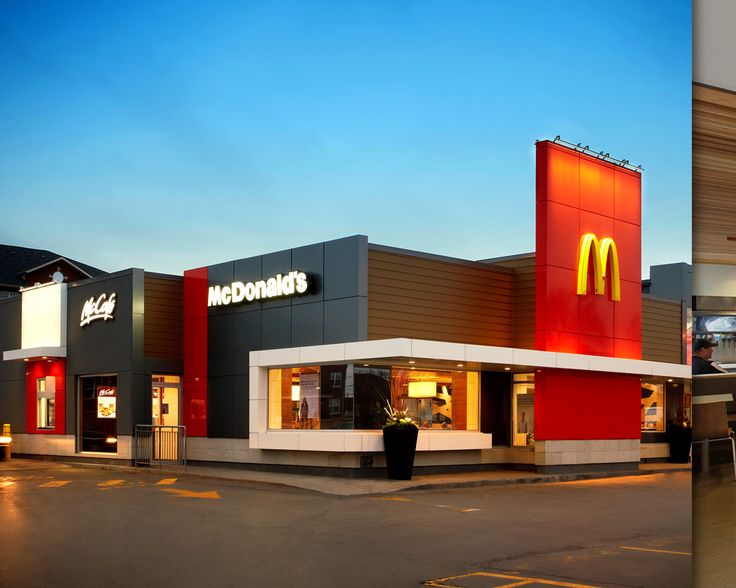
x: 111, y: 440
x: 669, y: 379
x: 412, y: 361
x: 508, y: 369
x: 5, y: 440
x: 422, y: 389
x: 295, y: 391
x: 459, y: 365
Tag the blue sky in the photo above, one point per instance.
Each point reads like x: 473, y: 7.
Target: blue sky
x: 171, y: 135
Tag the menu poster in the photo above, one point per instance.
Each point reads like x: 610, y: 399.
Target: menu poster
x: 106, y: 399
x: 309, y: 392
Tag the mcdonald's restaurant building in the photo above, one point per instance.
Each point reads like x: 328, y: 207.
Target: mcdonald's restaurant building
x: 552, y: 360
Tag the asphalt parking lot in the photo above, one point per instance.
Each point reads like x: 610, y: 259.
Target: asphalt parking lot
x: 65, y: 525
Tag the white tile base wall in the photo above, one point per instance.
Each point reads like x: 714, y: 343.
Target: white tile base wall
x: 592, y: 451
x: 63, y: 445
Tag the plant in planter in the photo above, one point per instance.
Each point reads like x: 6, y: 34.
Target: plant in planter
x: 400, y: 443
x: 679, y: 437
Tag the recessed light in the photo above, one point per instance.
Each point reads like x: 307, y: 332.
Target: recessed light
x: 412, y: 361
x: 413, y: 368
x: 459, y: 365
x: 366, y: 364
x: 508, y: 369
x: 669, y: 379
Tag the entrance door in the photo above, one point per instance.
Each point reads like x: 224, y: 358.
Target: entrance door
x: 166, y: 400
x: 165, y: 403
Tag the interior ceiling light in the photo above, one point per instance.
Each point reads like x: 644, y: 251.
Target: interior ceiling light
x: 508, y: 369
x: 412, y: 361
x: 459, y: 365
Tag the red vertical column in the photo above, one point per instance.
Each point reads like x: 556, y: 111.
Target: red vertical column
x: 195, y: 351
x: 35, y: 370
x: 577, y: 194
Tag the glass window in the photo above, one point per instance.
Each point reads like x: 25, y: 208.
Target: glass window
x: 98, y: 414
x: 46, y: 402
x: 348, y: 396
x: 652, y: 407
x: 523, y: 409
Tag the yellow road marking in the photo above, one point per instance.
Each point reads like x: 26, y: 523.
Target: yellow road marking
x: 111, y: 483
x: 393, y: 498
x: 55, y: 484
x: 166, y: 482
x: 657, y: 550
x: 519, y: 581
x: 6, y: 483
x: 190, y: 494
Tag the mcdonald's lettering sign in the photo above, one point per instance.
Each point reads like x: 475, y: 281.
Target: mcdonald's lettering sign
x: 604, y: 253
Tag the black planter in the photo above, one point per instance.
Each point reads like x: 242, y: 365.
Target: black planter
x: 679, y: 439
x: 400, y: 444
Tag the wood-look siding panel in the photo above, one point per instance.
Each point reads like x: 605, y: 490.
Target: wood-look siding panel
x: 433, y: 299
x: 525, y: 290
x: 714, y: 175
x: 163, y: 322
x: 661, y: 330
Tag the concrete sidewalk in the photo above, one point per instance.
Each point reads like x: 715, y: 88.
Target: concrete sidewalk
x: 346, y: 486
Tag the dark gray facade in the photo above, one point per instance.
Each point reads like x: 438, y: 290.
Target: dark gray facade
x: 335, y: 310
x: 12, y: 373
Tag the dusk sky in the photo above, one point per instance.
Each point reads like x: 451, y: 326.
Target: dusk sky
x: 173, y: 135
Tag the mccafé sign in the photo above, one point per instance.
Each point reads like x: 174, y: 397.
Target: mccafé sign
x: 100, y: 308
x: 295, y: 283
x: 603, y: 251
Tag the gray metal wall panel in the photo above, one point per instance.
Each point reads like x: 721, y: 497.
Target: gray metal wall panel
x: 219, y: 406
x: 247, y: 327
x: 12, y: 373
x: 276, y: 328
x: 343, y: 265
x: 310, y: 260
x: 344, y: 319
x: 307, y: 324
x: 276, y: 263
x: 101, y: 346
x: 240, y: 406
x: 220, y: 348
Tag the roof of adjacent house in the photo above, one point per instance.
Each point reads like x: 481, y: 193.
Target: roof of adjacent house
x: 16, y: 261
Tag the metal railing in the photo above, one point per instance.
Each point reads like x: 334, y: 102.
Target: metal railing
x: 160, y: 445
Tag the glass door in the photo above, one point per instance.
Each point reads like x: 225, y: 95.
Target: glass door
x: 166, y: 400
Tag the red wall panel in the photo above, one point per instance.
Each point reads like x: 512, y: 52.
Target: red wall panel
x: 195, y: 351
x: 586, y: 405
x: 579, y: 194
x: 42, y: 369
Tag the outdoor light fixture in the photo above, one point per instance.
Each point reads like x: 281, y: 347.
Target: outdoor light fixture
x: 422, y: 389
x: 598, y: 154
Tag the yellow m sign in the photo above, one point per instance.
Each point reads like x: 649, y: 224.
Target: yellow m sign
x: 603, y: 250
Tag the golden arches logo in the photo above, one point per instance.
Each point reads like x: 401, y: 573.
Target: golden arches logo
x: 603, y: 251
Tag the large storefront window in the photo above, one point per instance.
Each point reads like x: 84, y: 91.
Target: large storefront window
x: 523, y: 409
x: 98, y: 418
x: 652, y: 408
x: 354, y: 397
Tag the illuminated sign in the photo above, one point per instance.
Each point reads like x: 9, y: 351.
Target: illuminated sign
x: 603, y: 252
x: 106, y: 402
x: 294, y: 283
x: 102, y: 308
